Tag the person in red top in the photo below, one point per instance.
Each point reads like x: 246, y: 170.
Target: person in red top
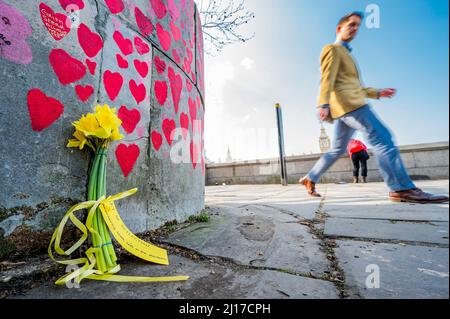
x: 358, y: 154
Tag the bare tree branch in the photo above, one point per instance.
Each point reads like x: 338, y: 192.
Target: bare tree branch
x: 221, y: 20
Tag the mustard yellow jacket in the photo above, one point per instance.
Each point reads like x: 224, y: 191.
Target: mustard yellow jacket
x: 341, y: 86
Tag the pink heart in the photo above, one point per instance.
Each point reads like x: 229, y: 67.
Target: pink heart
x: 67, y: 68
x: 164, y: 37
x: 56, y: 23
x: 194, y: 154
x: 192, y: 110
x: 115, y: 6
x: 159, y: 8
x: 176, y: 32
x: 160, y: 65
x: 43, y: 110
x: 189, y: 85
x: 168, y: 127
x: 125, y: 45
x: 127, y: 156
x: 176, y: 86
x: 90, y: 42
x: 14, y: 43
x: 72, y: 3
x: 130, y: 118
x: 141, y: 68
x: 143, y: 22
x: 91, y: 66
x: 176, y: 56
x: 84, y: 92
x: 184, y: 123
x: 173, y: 10
x: 139, y: 91
x: 161, y: 92
x: 156, y: 140
x: 141, y: 47
x: 113, y: 83
x: 121, y: 62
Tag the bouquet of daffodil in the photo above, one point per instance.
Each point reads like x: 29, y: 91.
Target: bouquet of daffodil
x: 97, y: 131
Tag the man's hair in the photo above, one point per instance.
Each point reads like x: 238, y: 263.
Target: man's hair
x: 348, y: 16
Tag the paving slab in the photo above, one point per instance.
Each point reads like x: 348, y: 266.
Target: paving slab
x: 410, y: 272
x: 207, y: 281
x: 258, y: 236
x: 371, y: 201
x: 430, y: 232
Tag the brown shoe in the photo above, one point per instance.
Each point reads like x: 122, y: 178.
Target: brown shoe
x: 364, y: 180
x: 310, y: 187
x: 355, y: 180
x: 417, y: 196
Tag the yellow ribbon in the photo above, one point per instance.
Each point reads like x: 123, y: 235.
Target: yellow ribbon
x: 125, y: 237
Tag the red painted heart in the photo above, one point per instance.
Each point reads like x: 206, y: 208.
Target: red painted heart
x: 115, y: 6
x: 91, y: 66
x: 84, y: 92
x: 144, y: 24
x: 168, y: 126
x: 194, y: 154
x: 90, y: 42
x: 160, y: 65
x: 113, y: 83
x: 130, y: 118
x: 141, y: 68
x: 176, y: 56
x: 192, y: 109
x: 176, y: 32
x: 121, y: 62
x: 164, y: 37
x: 141, y: 47
x: 79, y: 4
x: 176, y: 86
x: 173, y: 10
x: 125, y: 45
x: 43, y: 110
x: 57, y: 24
x: 184, y: 123
x: 161, y: 92
x: 159, y: 8
x: 127, y: 156
x: 156, y: 140
x: 139, y: 91
x: 67, y: 68
x: 189, y: 85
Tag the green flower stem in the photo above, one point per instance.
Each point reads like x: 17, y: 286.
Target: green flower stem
x: 101, y: 191
x: 110, y: 248
x: 92, y: 195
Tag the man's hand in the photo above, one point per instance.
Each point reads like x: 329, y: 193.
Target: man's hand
x: 324, y: 113
x: 388, y: 93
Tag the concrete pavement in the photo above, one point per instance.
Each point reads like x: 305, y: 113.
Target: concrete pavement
x: 269, y: 241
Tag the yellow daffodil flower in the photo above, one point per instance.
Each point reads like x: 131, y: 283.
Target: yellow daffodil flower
x: 107, y: 118
x: 96, y: 129
x: 79, y: 141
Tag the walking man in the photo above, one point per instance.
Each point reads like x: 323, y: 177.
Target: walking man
x: 359, y: 157
x: 343, y: 99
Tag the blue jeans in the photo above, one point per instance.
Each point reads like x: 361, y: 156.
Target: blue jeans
x: 381, y: 140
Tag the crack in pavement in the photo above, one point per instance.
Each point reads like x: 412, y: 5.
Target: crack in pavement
x: 225, y: 261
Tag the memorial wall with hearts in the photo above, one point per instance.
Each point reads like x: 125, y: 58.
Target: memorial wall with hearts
x: 61, y: 58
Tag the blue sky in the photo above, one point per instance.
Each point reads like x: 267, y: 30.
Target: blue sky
x: 410, y: 52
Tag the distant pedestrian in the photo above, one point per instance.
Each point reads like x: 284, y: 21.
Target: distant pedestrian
x: 343, y: 100
x: 359, y: 156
